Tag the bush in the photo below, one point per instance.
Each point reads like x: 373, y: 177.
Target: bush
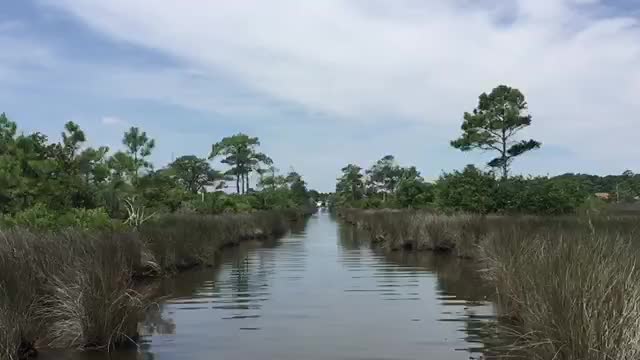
x: 36, y: 217
x: 414, y: 194
x: 475, y: 191
x: 471, y: 190
x: 86, y: 219
x: 42, y: 218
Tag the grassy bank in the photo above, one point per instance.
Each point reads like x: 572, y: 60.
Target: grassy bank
x: 569, y: 286
x: 420, y: 230
x: 75, y: 289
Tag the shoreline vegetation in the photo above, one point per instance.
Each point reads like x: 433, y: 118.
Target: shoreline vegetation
x: 84, y: 229
x: 76, y: 289
x: 566, y: 287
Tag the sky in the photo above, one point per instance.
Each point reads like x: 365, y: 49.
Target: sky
x: 331, y: 82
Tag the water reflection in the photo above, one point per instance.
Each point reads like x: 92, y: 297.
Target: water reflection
x: 459, y: 289
x: 320, y: 293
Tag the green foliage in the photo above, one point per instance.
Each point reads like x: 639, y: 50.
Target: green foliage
x: 539, y: 195
x: 194, y: 173
x: 387, y: 185
x: 40, y: 180
x: 139, y: 147
x: 493, y: 125
x: 350, y: 186
x: 86, y: 219
x: 36, y: 217
x: 39, y: 217
x: 384, y: 176
x: 475, y: 191
x: 240, y: 153
x: 162, y: 192
x: 290, y: 194
x: 414, y: 193
x: 624, y: 188
x: 470, y: 190
x: 297, y: 189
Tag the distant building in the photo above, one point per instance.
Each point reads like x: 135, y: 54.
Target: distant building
x: 603, y: 196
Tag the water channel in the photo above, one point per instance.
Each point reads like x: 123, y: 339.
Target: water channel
x: 320, y: 292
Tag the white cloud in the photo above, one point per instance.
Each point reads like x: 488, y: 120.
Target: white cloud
x: 422, y: 61
x: 112, y: 121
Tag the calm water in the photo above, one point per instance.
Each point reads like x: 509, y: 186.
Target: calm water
x: 319, y: 293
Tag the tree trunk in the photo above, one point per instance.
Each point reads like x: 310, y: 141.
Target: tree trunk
x: 505, y: 159
x: 237, y: 183
x: 242, y: 179
x: 247, y: 175
x: 135, y: 163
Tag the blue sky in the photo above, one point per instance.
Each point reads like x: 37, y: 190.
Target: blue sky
x: 329, y: 82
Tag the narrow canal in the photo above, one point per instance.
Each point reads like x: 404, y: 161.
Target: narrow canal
x: 319, y: 293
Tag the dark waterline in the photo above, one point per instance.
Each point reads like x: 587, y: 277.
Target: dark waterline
x: 318, y: 293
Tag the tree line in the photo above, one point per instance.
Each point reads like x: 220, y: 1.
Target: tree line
x: 495, y: 126
x: 69, y: 174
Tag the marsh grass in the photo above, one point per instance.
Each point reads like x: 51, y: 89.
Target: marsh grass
x: 566, y: 287
x: 76, y: 289
x: 66, y: 290
x: 181, y: 242
x: 92, y: 303
x: 420, y: 230
x: 571, y: 291
x: 19, y: 291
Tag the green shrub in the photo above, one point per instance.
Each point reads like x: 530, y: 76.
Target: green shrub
x: 39, y: 217
x: 86, y: 219
x: 470, y: 190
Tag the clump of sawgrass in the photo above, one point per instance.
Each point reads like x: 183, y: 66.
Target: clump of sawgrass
x: 68, y: 289
x: 573, y: 292
x: 92, y: 303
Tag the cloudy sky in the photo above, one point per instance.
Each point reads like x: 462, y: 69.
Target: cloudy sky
x: 328, y: 82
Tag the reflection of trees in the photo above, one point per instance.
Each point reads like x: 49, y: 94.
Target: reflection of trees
x: 299, y: 226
